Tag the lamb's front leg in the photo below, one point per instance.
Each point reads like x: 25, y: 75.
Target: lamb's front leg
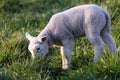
x: 66, y: 51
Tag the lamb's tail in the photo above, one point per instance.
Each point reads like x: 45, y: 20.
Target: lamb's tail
x: 108, y: 21
x: 107, y: 37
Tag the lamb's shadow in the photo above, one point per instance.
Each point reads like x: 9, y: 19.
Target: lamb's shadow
x: 58, y: 73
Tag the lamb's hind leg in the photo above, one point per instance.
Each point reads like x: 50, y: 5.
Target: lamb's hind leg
x: 99, y: 47
x: 107, y: 38
x: 95, y: 38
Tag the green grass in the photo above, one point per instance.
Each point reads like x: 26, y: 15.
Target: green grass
x: 20, y: 16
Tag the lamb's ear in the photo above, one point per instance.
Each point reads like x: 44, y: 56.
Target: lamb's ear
x: 28, y: 36
x: 42, y: 39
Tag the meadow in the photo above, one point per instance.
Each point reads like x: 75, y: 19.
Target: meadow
x: 20, y: 16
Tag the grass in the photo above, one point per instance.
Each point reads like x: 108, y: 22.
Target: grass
x: 20, y: 16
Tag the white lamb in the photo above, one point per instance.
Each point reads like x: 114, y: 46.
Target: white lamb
x: 64, y: 27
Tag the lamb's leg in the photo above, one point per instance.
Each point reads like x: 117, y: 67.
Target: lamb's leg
x: 66, y: 51
x: 95, y: 38
x: 107, y: 38
x: 99, y: 48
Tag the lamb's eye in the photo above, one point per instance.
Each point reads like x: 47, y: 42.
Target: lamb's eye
x: 38, y: 48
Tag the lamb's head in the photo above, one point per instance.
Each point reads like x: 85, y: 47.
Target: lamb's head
x: 38, y: 45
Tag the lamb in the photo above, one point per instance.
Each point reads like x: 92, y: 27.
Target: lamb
x: 64, y: 27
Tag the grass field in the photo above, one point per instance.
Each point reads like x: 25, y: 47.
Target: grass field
x: 20, y: 16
